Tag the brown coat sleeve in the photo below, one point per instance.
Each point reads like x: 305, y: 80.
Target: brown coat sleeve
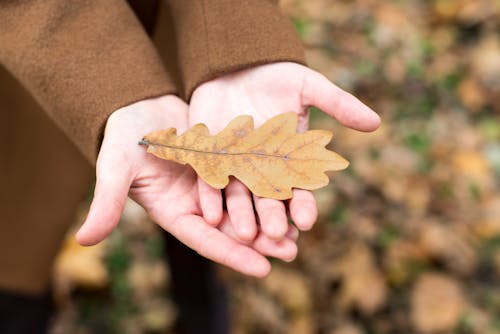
x: 81, y: 60
x: 215, y: 37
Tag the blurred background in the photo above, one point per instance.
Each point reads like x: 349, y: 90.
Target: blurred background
x: 408, y: 239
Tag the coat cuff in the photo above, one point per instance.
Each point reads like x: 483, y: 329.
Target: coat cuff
x: 215, y: 37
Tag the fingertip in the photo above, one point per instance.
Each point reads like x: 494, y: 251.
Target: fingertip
x: 241, y: 211
x: 210, y: 202
x: 285, y: 250
x: 104, y: 214
x: 291, y: 252
x: 303, y: 209
x: 247, y: 261
x: 372, y: 121
x: 353, y: 113
x: 110, y: 195
x: 245, y: 232
x: 273, y: 232
x: 272, y: 217
x: 293, y: 233
x: 346, y: 108
x: 82, y: 238
x: 85, y: 240
x: 193, y: 231
x: 96, y: 228
x: 262, y: 269
x: 376, y: 119
x: 212, y: 216
x: 228, y: 227
x: 305, y: 220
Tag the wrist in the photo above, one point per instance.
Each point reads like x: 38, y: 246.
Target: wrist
x: 128, y: 125
x: 150, y: 115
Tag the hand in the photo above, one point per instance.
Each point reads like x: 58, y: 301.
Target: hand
x: 165, y: 189
x: 264, y: 92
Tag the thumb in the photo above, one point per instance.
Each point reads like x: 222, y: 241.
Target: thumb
x: 318, y: 91
x: 111, y: 191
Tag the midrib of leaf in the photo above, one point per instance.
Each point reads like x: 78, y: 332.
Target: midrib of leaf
x: 181, y: 148
x: 283, y: 157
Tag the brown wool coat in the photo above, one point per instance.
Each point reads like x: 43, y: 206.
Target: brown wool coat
x: 82, y: 59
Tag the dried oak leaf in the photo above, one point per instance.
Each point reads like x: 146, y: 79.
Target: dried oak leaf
x: 270, y: 160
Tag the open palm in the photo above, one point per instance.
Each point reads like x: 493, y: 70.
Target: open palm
x: 167, y: 191
x: 264, y: 92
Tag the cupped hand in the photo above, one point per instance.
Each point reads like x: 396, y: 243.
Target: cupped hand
x: 168, y: 191
x: 264, y: 92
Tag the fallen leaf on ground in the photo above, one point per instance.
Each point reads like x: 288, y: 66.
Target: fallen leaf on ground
x: 449, y: 245
x: 437, y: 303
x: 291, y: 289
x: 347, y: 328
x: 488, y: 225
x: 471, y: 94
x: 79, y: 266
x: 363, y: 285
x: 270, y: 160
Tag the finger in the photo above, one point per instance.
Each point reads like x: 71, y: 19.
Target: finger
x: 210, y: 202
x: 272, y: 217
x: 303, y: 210
x: 285, y: 249
x: 211, y: 243
x: 318, y: 91
x: 110, y: 195
x: 292, y: 233
x: 240, y: 210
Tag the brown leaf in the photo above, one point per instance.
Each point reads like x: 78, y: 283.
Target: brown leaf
x: 363, y: 285
x: 471, y: 94
x: 485, y: 61
x: 157, y: 316
x: 437, y: 303
x: 291, y: 289
x: 488, y: 225
x: 269, y: 160
x: 449, y: 245
x: 347, y: 328
x: 77, y: 265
